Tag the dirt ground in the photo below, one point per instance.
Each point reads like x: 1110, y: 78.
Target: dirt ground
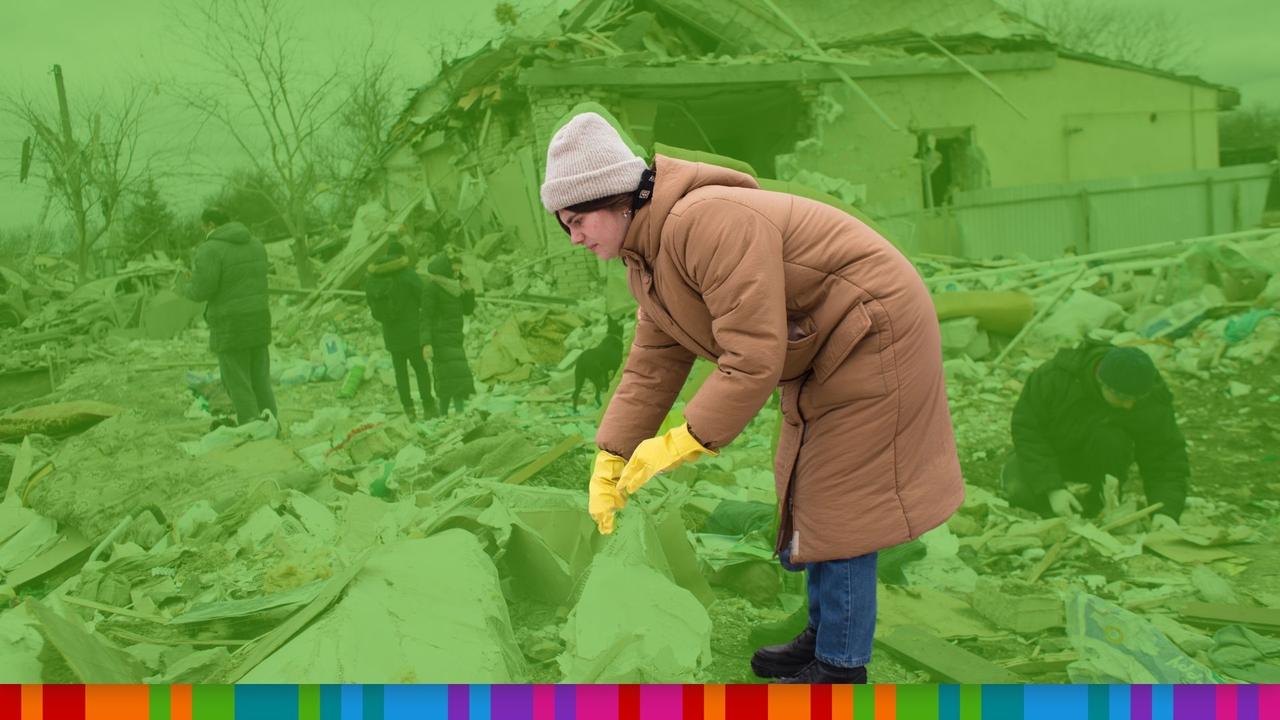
x: 1232, y: 442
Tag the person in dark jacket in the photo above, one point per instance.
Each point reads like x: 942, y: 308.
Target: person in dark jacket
x: 230, y: 274
x: 394, y: 293
x: 1090, y: 412
x: 446, y: 301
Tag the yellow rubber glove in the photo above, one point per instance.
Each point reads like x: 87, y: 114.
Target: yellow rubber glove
x: 660, y: 454
x: 603, y: 499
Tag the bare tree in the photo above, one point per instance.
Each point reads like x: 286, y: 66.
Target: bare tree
x: 1256, y: 125
x: 87, y: 176
x: 360, y: 132
x: 267, y: 100
x: 1147, y: 35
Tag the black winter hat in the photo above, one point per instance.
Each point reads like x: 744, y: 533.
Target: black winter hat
x: 1128, y: 370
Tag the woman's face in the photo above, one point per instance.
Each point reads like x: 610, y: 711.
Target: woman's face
x: 600, y: 231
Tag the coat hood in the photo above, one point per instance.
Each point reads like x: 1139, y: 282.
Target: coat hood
x: 233, y: 232
x: 674, y: 180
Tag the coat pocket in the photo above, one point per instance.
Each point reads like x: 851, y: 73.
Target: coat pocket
x: 862, y: 364
x: 802, y: 336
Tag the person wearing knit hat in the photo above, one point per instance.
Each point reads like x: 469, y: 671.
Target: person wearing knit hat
x: 1126, y: 374
x: 1087, y: 415
x: 777, y: 291
x: 590, y: 170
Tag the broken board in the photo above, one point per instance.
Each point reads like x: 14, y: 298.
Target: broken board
x: 22, y: 466
x: 1177, y: 549
x: 943, y: 661
x: 1213, y: 614
x: 938, y: 612
x: 92, y: 660
x: 274, y: 640
x: 533, y: 468
x: 72, y: 546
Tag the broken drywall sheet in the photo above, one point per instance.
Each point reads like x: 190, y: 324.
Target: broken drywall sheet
x: 379, y: 632
x: 633, y: 625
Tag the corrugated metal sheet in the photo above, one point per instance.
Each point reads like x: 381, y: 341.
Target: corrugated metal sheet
x: 1044, y: 221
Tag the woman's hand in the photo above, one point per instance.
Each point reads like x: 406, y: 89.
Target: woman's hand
x: 427, y: 354
x: 660, y: 454
x: 603, y: 499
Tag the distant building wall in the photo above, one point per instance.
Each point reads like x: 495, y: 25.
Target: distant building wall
x: 1086, y: 121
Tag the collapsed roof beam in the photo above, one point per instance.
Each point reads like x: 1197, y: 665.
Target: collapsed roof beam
x: 981, y: 78
x: 844, y: 76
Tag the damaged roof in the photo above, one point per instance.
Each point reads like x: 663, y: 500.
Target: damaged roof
x: 899, y: 37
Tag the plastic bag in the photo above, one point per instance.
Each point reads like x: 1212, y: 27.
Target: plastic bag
x: 1117, y: 646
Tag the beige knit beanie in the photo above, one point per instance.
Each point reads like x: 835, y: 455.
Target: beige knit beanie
x: 588, y: 160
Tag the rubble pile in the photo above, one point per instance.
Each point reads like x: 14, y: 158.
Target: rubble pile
x: 132, y: 532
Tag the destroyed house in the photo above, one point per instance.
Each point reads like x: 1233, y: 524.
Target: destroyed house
x: 899, y: 108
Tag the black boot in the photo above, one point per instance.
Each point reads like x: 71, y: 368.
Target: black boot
x: 429, y: 408
x: 787, y: 659
x: 410, y: 413
x: 820, y: 673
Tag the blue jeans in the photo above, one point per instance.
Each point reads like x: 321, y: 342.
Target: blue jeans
x: 842, y: 607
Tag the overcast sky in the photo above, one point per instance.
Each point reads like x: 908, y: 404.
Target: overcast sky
x: 100, y: 45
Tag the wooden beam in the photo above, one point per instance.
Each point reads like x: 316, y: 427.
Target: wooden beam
x: 981, y: 78
x: 844, y: 76
x: 943, y: 661
x: 1040, y: 316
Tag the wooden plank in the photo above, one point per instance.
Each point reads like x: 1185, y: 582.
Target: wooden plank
x: 1213, y: 614
x: 943, y: 661
x: 72, y: 546
x: 546, y: 459
x: 92, y: 660
x: 274, y: 640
